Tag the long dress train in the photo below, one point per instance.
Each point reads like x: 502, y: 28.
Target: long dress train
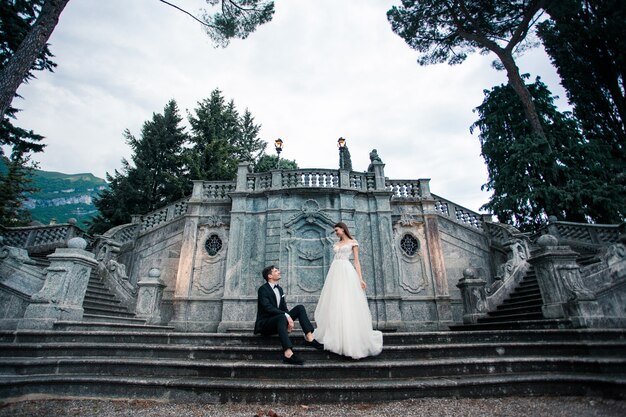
x: 342, y: 315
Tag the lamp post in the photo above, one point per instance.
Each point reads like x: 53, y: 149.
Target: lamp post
x: 344, y: 155
x: 278, y: 144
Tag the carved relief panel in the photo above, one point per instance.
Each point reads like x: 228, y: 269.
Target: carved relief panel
x: 309, y: 249
x: 408, y: 243
x: 210, y: 257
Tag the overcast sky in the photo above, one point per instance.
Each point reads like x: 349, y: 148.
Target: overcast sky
x: 319, y: 70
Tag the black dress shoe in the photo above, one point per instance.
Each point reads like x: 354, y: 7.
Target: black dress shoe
x: 293, y: 360
x: 314, y: 343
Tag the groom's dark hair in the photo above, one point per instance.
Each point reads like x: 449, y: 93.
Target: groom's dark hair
x: 267, y: 271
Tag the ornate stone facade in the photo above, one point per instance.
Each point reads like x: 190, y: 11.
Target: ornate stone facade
x: 428, y: 262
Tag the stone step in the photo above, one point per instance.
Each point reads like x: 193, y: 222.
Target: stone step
x: 516, y: 298
x: 147, y: 336
x: 109, y: 305
x: 121, y: 325
x: 307, y: 390
x: 97, y: 311
x: 508, y: 310
x: 520, y: 325
x: 319, y: 370
x: 105, y: 318
x: 511, y: 317
x: 99, y: 293
x: 96, y: 284
x: 77, y: 349
x: 526, y: 292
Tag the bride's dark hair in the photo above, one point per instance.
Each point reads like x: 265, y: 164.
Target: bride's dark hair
x: 343, y: 226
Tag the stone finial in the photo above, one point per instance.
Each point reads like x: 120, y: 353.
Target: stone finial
x: 547, y: 240
x: 154, y: 273
x: 552, y: 219
x: 469, y: 273
x: 77, y: 243
x: 72, y: 221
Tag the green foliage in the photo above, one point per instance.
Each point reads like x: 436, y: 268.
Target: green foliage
x: 237, y: 19
x: 267, y: 163
x: 165, y: 159
x: 16, y: 18
x: 220, y: 139
x: 586, y: 43
x: 15, y: 181
x: 157, y: 178
x: 533, y: 177
x: 442, y: 30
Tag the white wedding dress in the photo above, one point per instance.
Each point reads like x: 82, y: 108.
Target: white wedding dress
x: 343, y: 318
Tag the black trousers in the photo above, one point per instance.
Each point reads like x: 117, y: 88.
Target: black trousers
x: 279, y: 323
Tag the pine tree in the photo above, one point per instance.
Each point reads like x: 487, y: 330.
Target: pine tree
x: 586, y: 43
x: 156, y: 178
x: 221, y: 139
x: 532, y: 179
x: 15, y: 182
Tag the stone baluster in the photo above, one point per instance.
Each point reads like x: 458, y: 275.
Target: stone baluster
x: 62, y: 295
x: 474, y: 297
x: 149, y: 297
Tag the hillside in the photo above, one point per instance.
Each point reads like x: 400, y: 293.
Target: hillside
x: 63, y: 196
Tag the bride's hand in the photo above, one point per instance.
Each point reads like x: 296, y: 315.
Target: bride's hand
x: 363, y: 285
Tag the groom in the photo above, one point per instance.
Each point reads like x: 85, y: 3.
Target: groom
x: 273, y: 317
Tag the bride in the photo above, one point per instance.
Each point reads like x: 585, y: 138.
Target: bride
x: 344, y: 321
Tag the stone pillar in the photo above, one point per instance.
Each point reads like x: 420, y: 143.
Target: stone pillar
x: 437, y: 262
x: 344, y: 178
x: 184, y: 276
x: 474, y: 297
x: 149, y: 297
x: 379, y: 175
x: 242, y: 176
x: 62, y: 295
x: 562, y: 288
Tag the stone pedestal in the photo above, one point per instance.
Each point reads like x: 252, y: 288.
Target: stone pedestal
x: 474, y: 297
x: 62, y: 295
x: 149, y: 297
x: 564, y: 293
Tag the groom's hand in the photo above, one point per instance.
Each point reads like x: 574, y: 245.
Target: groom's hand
x: 289, y: 324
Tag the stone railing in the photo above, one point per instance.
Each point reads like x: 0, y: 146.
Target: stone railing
x: 404, y: 189
x: 310, y: 178
x: 123, y: 234
x: 591, y: 234
x: 217, y: 190
x: 163, y: 215
x: 40, y: 238
x: 258, y: 182
x: 457, y: 213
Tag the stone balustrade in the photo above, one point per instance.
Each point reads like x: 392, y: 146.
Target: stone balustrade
x: 403, y: 189
x: 593, y: 234
x: 124, y: 233
x: 160, y: 216
x: 309, y: 178
x: 217, y: 190
x: 458, y: 214
x: 40, y: 238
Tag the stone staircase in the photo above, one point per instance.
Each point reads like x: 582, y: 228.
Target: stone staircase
x: 100, y: 303
x: 521, y: 310
x: 159, y: 364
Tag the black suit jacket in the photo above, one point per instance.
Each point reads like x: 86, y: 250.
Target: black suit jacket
x: 266, y: 306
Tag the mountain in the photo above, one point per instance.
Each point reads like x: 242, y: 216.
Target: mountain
x: 64, y: 196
